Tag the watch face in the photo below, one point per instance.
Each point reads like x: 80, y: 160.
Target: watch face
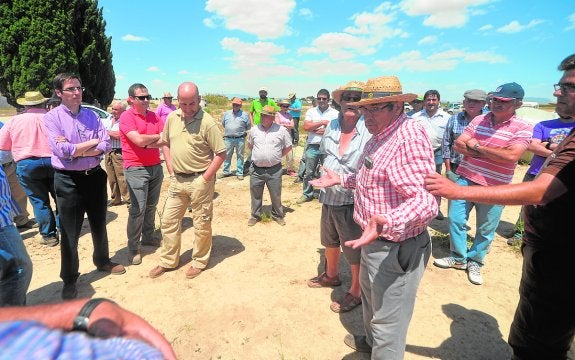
x: 80, y: 323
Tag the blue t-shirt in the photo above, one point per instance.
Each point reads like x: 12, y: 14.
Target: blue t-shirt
x: 295, y: 105
x: 554, y: 131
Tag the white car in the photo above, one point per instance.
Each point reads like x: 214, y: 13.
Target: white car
x: 102, y: 114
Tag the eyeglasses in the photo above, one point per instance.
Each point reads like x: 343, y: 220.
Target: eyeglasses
x: 373, y: 109
x: 565, y: 88
x: 143, y: 97
x: 74, y: 89
x: 284, y: 106
x: 351, y: 98
x: 322, y: 99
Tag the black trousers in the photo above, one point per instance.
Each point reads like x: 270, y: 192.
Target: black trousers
x: 78, y: 194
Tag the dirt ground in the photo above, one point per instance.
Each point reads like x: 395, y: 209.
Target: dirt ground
x: 253, y: 302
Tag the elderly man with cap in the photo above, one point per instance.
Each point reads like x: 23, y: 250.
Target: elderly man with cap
x: 342, y: 145
x: 269, y: 142
x: 491, y: 146
x: 416, y: 104
x: 473, y: 103
x: 236, y: 124
x: 114, y: 160
x: 258, y: 105
x: 26, y: 136
x: 393, y: 209
x: 295, y: 112
x: 166, y: 107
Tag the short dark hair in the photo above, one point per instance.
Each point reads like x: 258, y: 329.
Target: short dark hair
x: 323, y: 92
x: 62, y: 77
x: 132, y: 89
x: 568, y: 63
x: 431, y: 92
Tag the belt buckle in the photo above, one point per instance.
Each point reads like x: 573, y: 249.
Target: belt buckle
x: 87, y: 172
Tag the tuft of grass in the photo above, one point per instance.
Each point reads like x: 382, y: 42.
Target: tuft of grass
x: 266, y: 217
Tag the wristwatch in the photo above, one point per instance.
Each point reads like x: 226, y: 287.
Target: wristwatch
x: 476, y: 147
x: 81, y: 320
x: 548, y: 146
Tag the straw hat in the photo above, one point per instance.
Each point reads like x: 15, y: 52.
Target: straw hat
x: 291, y: 95
x: 167, y: 95
x: 32, y: 98
x: 383, y: 89
x: 284, y: 102
x: 269, y: 110
x: 353, y: 85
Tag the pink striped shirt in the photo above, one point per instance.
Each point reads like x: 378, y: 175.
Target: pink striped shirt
x: 401, y: 157
x: 25, y: 135
x: 487, y: 172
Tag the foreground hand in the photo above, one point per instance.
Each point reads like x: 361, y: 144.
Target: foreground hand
x: 440, y: 186
x: 60, y: 139
x: 370, y: 233
x: 109, y: 319
x: 330, y: 178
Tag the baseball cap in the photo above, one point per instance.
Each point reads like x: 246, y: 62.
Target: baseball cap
x: 263, y: 88
x: 475, y: 94
x: 509, y: 91
x: 237, y: 101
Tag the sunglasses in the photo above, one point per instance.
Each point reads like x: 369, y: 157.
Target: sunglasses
x: 284, y: 106
x: 143, y: 97
x: 351, y: 98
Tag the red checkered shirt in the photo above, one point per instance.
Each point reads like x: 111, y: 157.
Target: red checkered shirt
x: 392, y: 186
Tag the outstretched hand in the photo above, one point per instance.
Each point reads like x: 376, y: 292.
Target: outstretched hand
x: 330, y: 178
x: 441, y: 186
x: 370, y: 233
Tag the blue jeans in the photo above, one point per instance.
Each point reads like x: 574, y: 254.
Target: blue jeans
x: 15, y: 268
x: 144, y: 184
x: 237, y: 144
x: 36, y: 176
x: 312, y: 159
x: 488, y: 217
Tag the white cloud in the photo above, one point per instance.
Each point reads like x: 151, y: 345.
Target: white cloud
x: 120, y: 77
x: 264, y: 19
x: 306, y: 13
x: 183, y: 72
x: 486, y: 27
x: 515, y: 26
x: 428, y: 40
x: 153, y: 68
x: 250, y: 56
x: 130, y: 37
x: 443, y: 61
x: 443, y: 14
x: 209, y: 22
x: 369, y: 29
x: 571, y: 19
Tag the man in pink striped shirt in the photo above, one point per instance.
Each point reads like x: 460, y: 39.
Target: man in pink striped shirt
x: 491, y: 146
x: 393, y: 209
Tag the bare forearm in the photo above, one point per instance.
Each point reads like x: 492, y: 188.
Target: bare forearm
x: 215, y: 165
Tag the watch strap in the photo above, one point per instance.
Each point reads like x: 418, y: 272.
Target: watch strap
x: 81, y: 320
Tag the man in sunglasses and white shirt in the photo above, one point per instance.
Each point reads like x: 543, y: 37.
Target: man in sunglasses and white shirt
x: 140, y: 130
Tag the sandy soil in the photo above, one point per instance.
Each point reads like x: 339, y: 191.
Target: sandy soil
x: 253, y: 301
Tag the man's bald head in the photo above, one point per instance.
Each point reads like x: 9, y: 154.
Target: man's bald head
x: 189, y: 99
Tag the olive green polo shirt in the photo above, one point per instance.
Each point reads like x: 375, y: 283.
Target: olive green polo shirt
x: 193, y: 143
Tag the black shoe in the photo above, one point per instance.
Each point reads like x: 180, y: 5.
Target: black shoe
x: 69, y: 291
x: 31, y: 224
x: 357, y: 343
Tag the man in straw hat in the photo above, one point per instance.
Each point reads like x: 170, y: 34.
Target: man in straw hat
x: 269, y: 142
x: 393, y: 209
x: 342, y: 145
x: 166, y: 107
x: 26, y: 136
x: 236, y: 124
x: 543, y: 326
x: 295, y: 112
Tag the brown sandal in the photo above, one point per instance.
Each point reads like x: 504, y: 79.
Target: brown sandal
x: 323, y: 281
x: 347, y: 303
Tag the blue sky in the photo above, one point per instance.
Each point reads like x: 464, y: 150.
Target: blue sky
x: 236, y: 47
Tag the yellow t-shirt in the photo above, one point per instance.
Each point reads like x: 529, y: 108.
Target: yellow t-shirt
x: 192, y: 143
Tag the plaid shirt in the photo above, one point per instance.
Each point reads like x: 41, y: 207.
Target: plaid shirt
x: 454, y: 128
x: 392, y: 186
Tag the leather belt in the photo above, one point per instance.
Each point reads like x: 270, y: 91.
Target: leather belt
x: 187, y: 175
x: 8, y: 164
x: 81, y: 172
x: 235, y: 137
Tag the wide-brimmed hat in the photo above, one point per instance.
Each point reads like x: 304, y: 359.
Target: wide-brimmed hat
x: 383, y: 89
x: 291, y: 95
x: 353, y: 85
x: 167, y: 95
x: 32, y: 98
x: 284, y: 102
x: 237, y: 101
x: 269, y: 110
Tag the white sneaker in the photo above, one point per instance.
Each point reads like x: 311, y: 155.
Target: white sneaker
x: 449, y: 262
x: 474, y: 273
